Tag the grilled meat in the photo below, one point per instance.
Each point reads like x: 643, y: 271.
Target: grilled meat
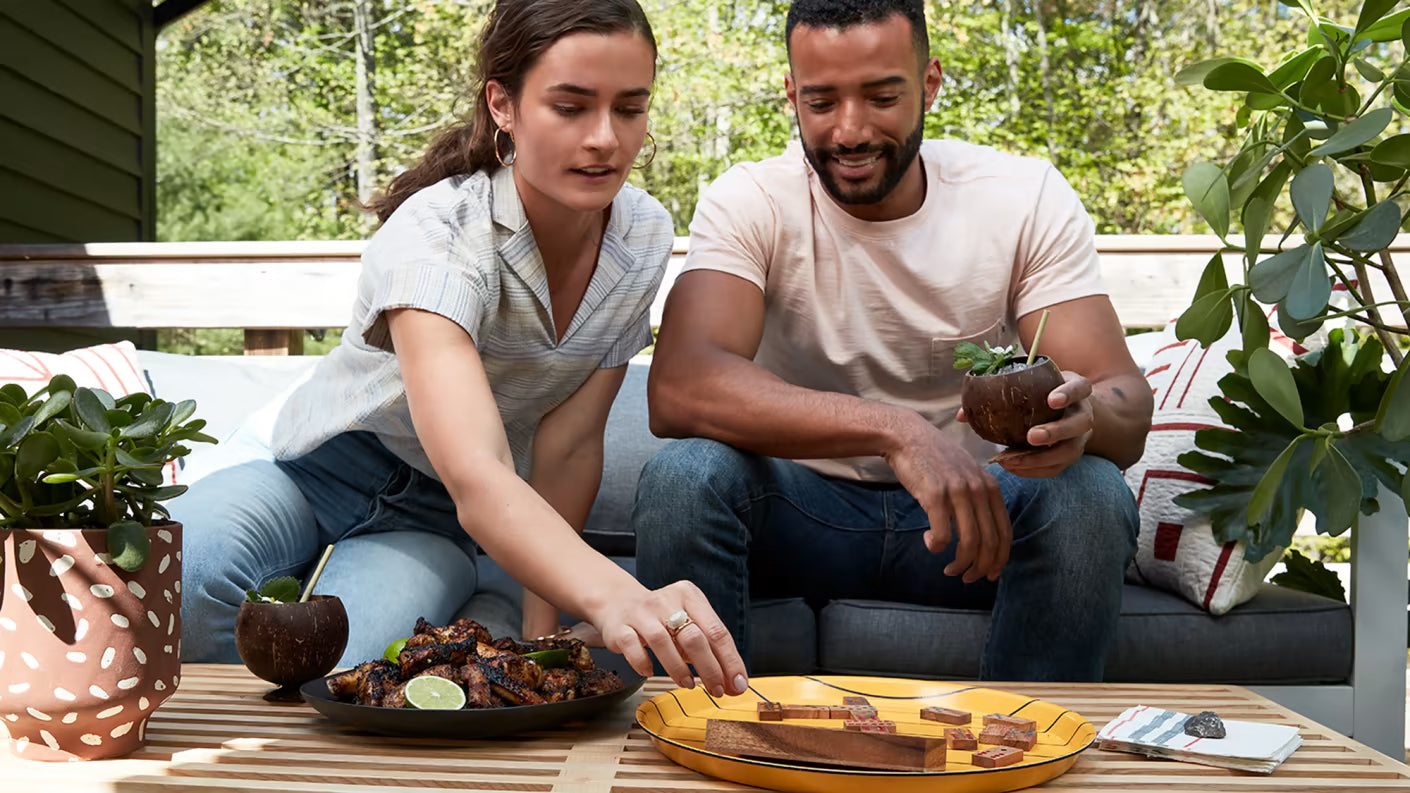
x: 560, y: 685
x: 447, y: 671
x: 378, y: 684
x: 517, y: 668
x: 578, y: 654
x: 415, y: 660
x: 510, y: 645
x: 598, y: 681
x: 511, y: 690
x: 478, y: 692
x: 344, y: 686
x: 493, y: 673
x: 459, y: 631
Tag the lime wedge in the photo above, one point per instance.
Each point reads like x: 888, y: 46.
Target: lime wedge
x: 549, y: 659
x: 429, y: 692
x: 394, y: 650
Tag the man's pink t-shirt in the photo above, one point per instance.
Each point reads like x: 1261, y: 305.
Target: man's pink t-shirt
x: 875, y: 309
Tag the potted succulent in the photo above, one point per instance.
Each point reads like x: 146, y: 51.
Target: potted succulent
x: 90, y: 619
x: 1316, y: 185
x: 1003, y: 397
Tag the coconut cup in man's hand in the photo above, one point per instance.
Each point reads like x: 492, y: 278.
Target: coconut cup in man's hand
x: 1002, y: 407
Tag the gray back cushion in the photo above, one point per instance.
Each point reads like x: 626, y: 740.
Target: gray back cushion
x: 629, y: 445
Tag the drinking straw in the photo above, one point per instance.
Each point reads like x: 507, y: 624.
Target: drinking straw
x: 1042, y: 321
x: 317, y: 571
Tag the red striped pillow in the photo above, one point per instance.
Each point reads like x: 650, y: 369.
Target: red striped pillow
x: 1176, y: 549
x: 111, y: 367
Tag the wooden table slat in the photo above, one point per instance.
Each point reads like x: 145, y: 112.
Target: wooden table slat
x: 217, y: 734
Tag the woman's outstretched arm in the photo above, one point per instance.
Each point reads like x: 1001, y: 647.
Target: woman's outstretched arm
x: 567, y: 469
x: 458, y: 423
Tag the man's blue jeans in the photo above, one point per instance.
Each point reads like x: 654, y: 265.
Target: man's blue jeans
x: 744, y: 526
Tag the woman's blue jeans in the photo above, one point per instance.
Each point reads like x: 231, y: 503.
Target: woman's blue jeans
x: 743, y: 526
x: 400, y: 551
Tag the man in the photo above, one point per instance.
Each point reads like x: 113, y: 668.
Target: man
x: 807, y: 352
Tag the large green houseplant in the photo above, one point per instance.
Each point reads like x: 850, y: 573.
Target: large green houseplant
x: 1315, y: 186
x: 90, y: 603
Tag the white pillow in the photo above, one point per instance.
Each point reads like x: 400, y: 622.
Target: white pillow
x: 1176, y: 549
x: 111, y: 367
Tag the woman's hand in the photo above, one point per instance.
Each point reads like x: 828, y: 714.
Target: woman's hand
x: 637, y: 621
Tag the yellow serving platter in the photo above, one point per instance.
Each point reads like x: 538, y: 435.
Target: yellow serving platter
x: 676, y: 720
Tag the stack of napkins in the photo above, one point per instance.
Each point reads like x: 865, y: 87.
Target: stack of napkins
x: 1247, y: 745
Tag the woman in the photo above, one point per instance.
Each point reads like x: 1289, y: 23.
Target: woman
x: 497, y: 308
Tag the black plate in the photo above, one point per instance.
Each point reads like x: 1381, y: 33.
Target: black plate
x: 474, y: 723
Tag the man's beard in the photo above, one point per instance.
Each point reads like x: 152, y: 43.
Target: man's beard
x: 897, y: 161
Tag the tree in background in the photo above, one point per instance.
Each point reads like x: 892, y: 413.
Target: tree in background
x: 276, y: 116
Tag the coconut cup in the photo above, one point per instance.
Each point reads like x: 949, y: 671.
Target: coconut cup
x: 1002, y: 407
x: 289, y: 644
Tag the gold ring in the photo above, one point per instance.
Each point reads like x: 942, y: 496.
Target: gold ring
x: 677, y: 621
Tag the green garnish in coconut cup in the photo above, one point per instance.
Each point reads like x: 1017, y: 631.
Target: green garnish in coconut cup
x: 1004, y: 395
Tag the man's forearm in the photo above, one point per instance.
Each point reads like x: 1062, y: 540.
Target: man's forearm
x: 741, y: 404
x: 1121, y: 419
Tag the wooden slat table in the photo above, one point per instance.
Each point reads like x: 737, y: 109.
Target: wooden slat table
x: 217, y: 734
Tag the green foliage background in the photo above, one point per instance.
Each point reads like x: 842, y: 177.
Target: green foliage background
x: 256, y: 99
x: 257, y: 126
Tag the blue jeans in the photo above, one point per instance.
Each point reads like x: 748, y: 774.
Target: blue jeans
x: 744, y: 526
x: 401, y: 553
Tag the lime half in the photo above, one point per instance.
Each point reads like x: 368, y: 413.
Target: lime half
x: 394, y: 650
x: 429, y: 692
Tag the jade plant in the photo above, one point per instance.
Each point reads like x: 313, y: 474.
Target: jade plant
x: 76, y: 458
x: 1316, y: 187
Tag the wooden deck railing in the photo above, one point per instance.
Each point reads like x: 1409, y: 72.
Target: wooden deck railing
x: 274, y: 290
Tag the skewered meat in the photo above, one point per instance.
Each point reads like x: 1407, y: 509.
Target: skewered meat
x: 493, y: 673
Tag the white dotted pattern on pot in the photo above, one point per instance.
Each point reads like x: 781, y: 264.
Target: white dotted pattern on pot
x: 112, y: 699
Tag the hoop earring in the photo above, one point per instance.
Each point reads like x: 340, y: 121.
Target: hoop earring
x: 651, y: 158
x: 513, y: 155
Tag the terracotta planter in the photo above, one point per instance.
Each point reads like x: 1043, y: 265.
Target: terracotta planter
x: 87, y: 650
x: 1001, y: 408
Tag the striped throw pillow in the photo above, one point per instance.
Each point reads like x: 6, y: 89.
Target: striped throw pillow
x: 111, y: 367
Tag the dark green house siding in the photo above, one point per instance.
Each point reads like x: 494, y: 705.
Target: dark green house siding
x: 77, y: 126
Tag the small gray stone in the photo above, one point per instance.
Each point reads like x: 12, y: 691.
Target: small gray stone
x: 1205, y: 725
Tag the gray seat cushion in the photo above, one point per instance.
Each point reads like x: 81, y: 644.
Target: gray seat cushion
x: 1280, y: 637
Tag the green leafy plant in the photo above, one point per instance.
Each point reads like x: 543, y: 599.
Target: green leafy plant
x: 1321, y: 434
x: 983, y: 360
x: 77, y: 458
x: 1309, y: 575
x: 284, y: 589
